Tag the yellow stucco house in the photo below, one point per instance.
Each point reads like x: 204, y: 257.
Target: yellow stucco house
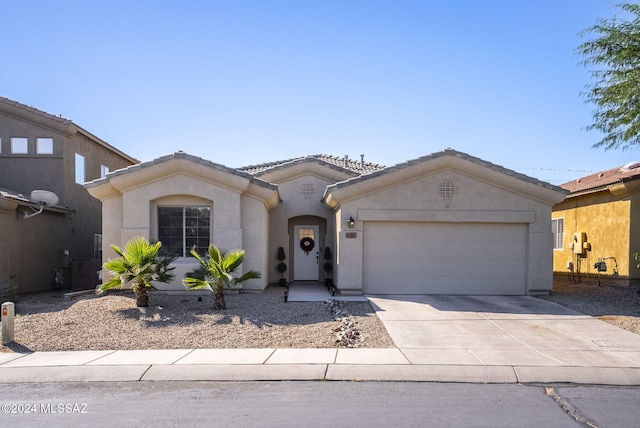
x: 596, y: 228
x: 445, y: 223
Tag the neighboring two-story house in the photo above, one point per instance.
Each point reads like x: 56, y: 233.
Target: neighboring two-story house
x: 41, y: 151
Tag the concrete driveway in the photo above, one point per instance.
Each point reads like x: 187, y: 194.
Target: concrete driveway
x: 501, y: 330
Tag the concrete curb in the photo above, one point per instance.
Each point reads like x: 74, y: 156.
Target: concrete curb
x: 622, y: 376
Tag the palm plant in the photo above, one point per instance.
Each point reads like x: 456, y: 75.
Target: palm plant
x: 216, y: 271
x: 139, y: 264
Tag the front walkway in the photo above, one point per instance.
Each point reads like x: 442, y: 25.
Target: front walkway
x: 316, y: 292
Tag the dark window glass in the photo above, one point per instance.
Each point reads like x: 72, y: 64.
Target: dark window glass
x: 182, y: 228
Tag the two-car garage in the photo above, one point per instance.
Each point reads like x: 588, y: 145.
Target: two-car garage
x: 447, y: 223
x: 444, y: 258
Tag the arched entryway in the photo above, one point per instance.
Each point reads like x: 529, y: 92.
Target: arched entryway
x: 308, y: 236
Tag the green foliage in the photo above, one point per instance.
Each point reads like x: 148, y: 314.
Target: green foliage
x: 216, y: 271
x: 137, y: 265
x: 614, y: 54
x: 327, y: 254
x: 282, y: 267
x: 636, y: 257
x: 328, y: 266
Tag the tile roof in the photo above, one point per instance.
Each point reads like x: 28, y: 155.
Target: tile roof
x: 179, y: 155
x: 34, y: 110
x: 356, y: 167
x: 450, y: 152
x: 604, y: 179
x: 60, y: 123
x: 15, y: 195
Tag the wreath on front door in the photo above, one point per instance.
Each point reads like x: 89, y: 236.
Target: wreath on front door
x: 307, y: 244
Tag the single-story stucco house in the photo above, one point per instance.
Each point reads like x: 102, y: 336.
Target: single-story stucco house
x: 446, y: 223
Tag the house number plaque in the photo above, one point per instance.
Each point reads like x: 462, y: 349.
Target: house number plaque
x: 351, y: 235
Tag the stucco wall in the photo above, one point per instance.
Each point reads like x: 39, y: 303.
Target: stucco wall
x: 23, y: 257
x: 87, y: 220
x: 255, y: 242
x: 237, y: 221
x: 54, y: 172
x: 606, y: 220
x: 296, y: 204
x: 473, y: 200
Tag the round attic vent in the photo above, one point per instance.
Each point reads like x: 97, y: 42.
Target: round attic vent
x: 631, y: 165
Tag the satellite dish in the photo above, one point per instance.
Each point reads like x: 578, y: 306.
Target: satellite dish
x: 42, y: 198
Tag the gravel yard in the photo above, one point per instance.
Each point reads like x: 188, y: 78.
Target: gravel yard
x: 44, y: 322
x: 616, y: 305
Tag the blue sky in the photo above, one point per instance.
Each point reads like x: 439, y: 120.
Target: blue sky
x: 246, y: 82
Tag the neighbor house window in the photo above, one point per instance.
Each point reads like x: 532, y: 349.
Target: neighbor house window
x: 182, y: 228
x: 97, y: 246
x: 44, y: 146
x: 79, y: 169
x: 104, y: 170
x: 557, y: 228
x: 19, y: 145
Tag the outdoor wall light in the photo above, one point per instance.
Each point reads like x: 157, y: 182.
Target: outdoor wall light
x: 351, y: 222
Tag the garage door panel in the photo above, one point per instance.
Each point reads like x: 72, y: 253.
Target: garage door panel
x: 444, y: 258
x: 413, y: 268
x: 515, y: 251
x: 436, y: 267
x: 453, y: 249
x: 377, y: 250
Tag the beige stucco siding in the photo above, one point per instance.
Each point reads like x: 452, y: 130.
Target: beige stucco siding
x: 473, y: 200
x: 301, y: 196
x: 238, y: 220
x: 255, y: 242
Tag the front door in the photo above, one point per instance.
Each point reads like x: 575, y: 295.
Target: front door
x: 306, y: 253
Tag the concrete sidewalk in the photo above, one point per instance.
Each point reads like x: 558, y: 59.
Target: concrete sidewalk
x: 391, y: 364
x: 475, y: 339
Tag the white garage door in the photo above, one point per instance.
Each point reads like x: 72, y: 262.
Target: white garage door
x: 444, y: 258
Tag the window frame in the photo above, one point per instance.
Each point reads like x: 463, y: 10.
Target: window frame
x: 557, y: 230
x: 42, y: 140
x: 15, y: 146
x: 80, y: 168
x: 166, y: 232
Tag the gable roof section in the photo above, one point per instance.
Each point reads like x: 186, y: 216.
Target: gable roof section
x: 448, y: 158
x: 32, y: 114
x: 180, y: 162
x: 57, y: 123
x: 603, y: 180
x: 342, y: 164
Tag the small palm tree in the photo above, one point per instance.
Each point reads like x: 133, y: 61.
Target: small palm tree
x: 216, y: 272
x: 138, y: 264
